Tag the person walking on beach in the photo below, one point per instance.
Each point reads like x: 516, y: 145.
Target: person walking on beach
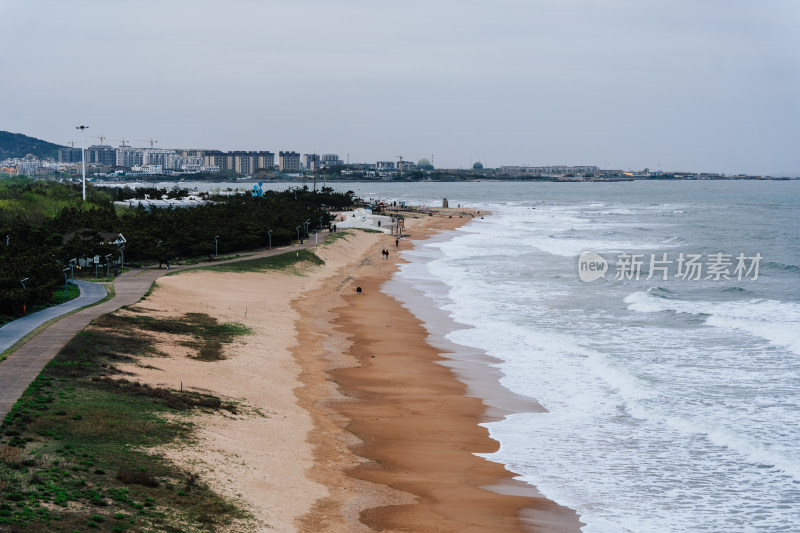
x: 397, y: 243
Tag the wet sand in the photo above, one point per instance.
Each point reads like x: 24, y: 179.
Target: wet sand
x: 416, y: 428
x: 349, y: 421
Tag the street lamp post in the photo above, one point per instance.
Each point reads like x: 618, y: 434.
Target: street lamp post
x: 306, y: 223
x: 24, y: 296
x: 269, y: 236
x: 83, y: 156
x: 108, y: 264
x: 216, y: 246
x: 66, y: 292
x: 72, y: 263
x: 299, y: 238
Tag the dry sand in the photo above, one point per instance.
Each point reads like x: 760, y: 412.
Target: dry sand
x: 348, y: 423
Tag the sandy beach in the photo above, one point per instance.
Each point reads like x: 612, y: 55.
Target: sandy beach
x: 347, y: 421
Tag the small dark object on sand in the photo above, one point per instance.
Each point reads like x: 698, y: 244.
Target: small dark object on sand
x: 358, y: 290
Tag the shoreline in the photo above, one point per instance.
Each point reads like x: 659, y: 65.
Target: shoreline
x: 415, y: 419
x: 473, y: 366
x: 345, y: 442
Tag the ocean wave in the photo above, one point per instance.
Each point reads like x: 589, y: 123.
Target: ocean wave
x: 780, y: 266
x: 660, y: 292
x: 738, y: 290
x: 774, y: 321
x: 755, y: 453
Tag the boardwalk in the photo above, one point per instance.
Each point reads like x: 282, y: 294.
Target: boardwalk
x: 24, y: 364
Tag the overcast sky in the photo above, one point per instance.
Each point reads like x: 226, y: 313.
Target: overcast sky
x: 707, y: 85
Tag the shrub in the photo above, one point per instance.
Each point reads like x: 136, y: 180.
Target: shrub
x: 138, y: 477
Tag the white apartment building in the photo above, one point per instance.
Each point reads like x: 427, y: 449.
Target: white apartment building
x: 130, y: 157
x: 156, y: 156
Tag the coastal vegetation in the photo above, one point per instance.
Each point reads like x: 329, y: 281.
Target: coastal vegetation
x: 45, y: 225
x: 76, y: 449
x: 290, y: 261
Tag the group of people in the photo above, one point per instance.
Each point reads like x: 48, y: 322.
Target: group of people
x: 385, y: 254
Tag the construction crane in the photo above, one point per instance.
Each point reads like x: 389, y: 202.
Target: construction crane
x: 123, y: 141
x: 150, y: 140
x: 99, y: 137
x: 72, y: 143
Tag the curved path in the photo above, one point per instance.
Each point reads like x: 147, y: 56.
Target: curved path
x: 13, y: 331
x: 23, y: 365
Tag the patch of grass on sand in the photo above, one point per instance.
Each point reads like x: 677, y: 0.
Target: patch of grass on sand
x: 292, y: 261
x: 333, y: 237
x: 208, y: 335
x: 74, y: 450
x: 147, y: 294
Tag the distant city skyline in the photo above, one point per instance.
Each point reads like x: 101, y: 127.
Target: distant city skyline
x: 199, y: 159
x: 710, y: 86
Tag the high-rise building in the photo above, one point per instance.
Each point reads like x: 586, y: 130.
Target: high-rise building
x: 157, y: 156
x: 128, y: 156
x: 311, y: 161
x: 331, y: 160
x: 101, y: 154
x: 289, y: 161
x: 241, y: 161
x: 69, y: 155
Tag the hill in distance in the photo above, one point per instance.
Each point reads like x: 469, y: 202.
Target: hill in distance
x: 19, y: 145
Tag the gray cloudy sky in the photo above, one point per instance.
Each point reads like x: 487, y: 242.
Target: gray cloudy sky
x: 710, y: 85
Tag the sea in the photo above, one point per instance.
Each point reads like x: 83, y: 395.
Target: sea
x: 656, y: 322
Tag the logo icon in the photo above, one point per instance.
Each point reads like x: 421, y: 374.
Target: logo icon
x: 591, y: 266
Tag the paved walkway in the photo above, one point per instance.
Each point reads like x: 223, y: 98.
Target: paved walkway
x: 11, y: 332
x: 24, y: 364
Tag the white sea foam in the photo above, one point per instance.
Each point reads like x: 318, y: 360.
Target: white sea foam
x: 665, y: 412
x: 773, y: 321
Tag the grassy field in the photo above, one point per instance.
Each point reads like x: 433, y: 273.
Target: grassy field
x: 74, y: 450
